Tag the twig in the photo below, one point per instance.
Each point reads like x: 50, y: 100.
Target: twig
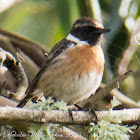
x: 126, y: 101
x: 103, y: 92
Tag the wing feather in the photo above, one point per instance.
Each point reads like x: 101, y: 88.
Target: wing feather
x: 56, y: 51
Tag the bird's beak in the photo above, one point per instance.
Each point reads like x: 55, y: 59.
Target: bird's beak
x: 103, y: 31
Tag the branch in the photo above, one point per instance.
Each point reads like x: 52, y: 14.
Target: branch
x: 126, y: 101
x: 106, y: 90
x: 5, y: 101
x: 13, y: 76
x: 55, y: 116
x: 114, y: 84
x: 29, y: 47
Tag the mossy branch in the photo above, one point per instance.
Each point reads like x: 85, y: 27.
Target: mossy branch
x: 63, y: 117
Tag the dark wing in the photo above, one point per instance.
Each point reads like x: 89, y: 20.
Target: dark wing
x: 56, y: 50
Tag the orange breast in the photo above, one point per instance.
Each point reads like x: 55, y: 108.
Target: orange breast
x: 85, y: 59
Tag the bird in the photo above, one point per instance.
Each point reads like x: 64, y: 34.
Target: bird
x: 74, y: 67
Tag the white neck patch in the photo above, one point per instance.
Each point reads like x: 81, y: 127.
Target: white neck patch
x: 70, y: 37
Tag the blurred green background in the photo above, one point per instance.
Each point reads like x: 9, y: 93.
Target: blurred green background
x: 48, y: 21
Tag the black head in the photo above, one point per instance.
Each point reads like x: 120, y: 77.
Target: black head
x: 88, y: 29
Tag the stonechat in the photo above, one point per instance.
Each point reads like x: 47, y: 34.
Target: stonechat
x: 73, y: 69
